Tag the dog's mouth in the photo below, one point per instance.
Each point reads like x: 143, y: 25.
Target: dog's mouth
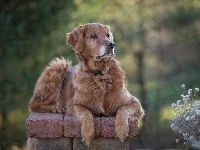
x: 108, y: 52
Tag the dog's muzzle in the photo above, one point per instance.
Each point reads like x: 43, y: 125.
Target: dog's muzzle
x: 109, y: 51
x: 110, y: 48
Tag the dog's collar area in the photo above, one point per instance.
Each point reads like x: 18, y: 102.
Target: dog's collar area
x: 98, y: 72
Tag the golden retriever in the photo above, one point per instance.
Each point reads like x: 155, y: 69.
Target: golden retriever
x: 95, y: 87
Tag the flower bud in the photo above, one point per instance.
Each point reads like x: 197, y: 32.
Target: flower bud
x: 183, y: 86
x: 190, y: 91
x: 196, y: 89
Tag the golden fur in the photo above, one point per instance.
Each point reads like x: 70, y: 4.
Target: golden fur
x: 95, y: 87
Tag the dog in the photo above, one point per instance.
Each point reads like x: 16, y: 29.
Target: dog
x: 95, y: 87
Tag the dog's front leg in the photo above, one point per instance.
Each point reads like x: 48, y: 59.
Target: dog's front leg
x: 133, y: 109
x: 87, y: 123
x: 121, y: 122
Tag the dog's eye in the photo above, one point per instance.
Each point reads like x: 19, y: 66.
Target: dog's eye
x: 93, y: 36
x: 108, y: 35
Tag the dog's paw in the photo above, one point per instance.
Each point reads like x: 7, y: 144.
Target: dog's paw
x: 57, y: 109
x: 60, y: 109
x: 122, y: 134
x: 139, y: 113
x: 121, y: 127
x: 87, y: 140
x: 40, y: 96
x: 87, y: 136
x: 87, y: 131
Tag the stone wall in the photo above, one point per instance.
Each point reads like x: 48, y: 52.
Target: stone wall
x: 58, y: 131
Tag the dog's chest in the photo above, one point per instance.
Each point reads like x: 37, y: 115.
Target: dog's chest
x: 91, y: 91
x: 102, y: 84
x: 95, y: 86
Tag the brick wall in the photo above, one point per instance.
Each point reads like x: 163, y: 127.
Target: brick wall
x: 58, y: 131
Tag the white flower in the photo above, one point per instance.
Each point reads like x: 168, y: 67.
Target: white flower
x: 172, y: 126
x: 193, y: 117
x: 177, y: 140
x: 187, y: 96
x: 196, y: 89
x: 178, y: 102
x: 185, y: 116
x: 190, y: 91
x: 173, y: 105
x: 198, y: 112
x: 191, y: 138
x: 183, y: 96
x: 188, y: 118
x: 183, y: 86
x: 195, y: 122
x: 197, y: 103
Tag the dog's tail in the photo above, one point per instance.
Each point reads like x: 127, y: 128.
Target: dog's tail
x: 59, y: 65
x: 50, y: 82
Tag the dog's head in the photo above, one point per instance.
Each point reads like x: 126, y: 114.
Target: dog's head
x: 93, y: 41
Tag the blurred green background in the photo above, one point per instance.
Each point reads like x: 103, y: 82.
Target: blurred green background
x: 157, y: 43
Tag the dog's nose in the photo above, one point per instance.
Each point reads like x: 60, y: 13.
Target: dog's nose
x: 110, y: 44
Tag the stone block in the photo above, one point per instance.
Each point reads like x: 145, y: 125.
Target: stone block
x: 59, y: 131
x: 133, y: 126
x: 108, y: 127
x: 72, y: 126
x: 54, y: 144
x: 101, y: 143
x: 44, y: 125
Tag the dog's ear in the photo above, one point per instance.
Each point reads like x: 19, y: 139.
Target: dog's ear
x: 109, y: 30
x: 75, y: 38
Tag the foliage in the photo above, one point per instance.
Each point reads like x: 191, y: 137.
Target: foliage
x: 187, y: 118
x: 31, y: 35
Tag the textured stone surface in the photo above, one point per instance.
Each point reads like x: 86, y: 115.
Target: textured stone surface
x: 104, y: 126
x: 54, y: 144
x: 44, y: 125
x: 56, y: 131
x: 72, y: 126
x: 133, y: 126
x: 49, y: 125
x: 108, y: 127
x: 101, y: 143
